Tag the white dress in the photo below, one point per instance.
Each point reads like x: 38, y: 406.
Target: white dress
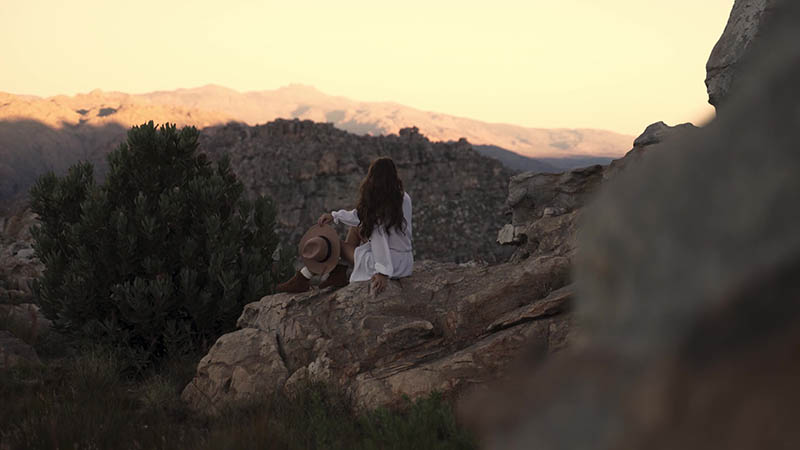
x: 385, y: 252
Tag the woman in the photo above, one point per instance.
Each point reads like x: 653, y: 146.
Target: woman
x: 378, y: 243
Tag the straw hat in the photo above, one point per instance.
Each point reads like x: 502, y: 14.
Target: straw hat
x: 319, y: 249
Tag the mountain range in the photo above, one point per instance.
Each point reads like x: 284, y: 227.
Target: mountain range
x: 381, y: 118
x: 40, y: 134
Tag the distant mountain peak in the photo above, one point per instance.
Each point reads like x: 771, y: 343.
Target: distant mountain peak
x: 299, y: 87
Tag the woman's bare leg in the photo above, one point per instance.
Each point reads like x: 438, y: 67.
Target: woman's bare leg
x: 349, y: 245
x: 353, y: 237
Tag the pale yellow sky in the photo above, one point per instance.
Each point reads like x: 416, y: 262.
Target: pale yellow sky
x: 614, y: 64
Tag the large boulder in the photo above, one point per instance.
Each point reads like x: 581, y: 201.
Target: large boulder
x: 688, y: 307
x: 747, y: 21
x: 445, y: 328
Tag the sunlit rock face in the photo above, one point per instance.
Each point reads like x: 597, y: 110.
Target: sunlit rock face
x: 747, y: 21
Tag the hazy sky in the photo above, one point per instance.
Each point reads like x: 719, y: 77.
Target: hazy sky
x: 613, y: 64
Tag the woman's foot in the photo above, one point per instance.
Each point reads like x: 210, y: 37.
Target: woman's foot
x: 298, y: 283
x: 337, y: 278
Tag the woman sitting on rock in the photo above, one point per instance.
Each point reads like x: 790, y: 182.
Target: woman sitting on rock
x: 378, y: 243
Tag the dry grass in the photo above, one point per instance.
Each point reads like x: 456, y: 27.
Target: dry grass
x: 87, y: 401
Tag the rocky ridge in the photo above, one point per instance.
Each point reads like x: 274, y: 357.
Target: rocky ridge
x: 546, y: 207
x: 748, y: 20
x: 309, y: 168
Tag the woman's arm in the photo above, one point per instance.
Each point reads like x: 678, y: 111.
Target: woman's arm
x: 349, y: 218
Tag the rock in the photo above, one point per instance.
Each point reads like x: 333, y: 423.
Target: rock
x: 654, y: 135
x: 25, y: 253
x: 447, y: 327
x: 545, y: 207
x: 746, y: 21
x: 688, y: 293
x: 18, y: 264
x: 26, y: 317
x: 552, y: 212
x: 510, y: 234
x: 309, y: 168
x: 15, y: 352
x: 248, y: 362
x: 659, y: 132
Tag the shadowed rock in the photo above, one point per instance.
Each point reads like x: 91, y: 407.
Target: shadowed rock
x: 688, y: 305
x: 745, y: 26
x: 445, y: 328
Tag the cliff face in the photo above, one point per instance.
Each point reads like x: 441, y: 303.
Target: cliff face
x: 547, y: 207
x: 748, y: 20
x: 310, y: 168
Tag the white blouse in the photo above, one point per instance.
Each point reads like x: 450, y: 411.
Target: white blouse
x: 386, y: 252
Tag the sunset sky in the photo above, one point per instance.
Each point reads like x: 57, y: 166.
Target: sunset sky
x: 614, y: 64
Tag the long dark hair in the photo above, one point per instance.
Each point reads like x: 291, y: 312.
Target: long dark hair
x: 380, y: 199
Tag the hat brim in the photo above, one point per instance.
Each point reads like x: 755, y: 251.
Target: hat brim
x: 321, y: 267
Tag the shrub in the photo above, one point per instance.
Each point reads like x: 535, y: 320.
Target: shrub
x: 161, y: 257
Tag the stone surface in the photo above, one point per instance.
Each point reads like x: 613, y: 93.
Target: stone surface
x: 447, y: 327
x: 688, y: 293
x: 746, y: 21
x: 546, y: 207
x: 309, y: 168
x: 15, y: 352
x: 18, y: 264
x: 25, y: 317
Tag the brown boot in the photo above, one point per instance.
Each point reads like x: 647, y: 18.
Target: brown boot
x: 298, y: 283
x: 337, y: 278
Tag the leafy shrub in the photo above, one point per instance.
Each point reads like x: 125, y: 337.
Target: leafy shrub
x: 161, y: 257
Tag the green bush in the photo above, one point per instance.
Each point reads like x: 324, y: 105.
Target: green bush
x: 161, y: 257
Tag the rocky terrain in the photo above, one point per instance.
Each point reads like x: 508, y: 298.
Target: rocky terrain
x: 745, y: 26
x: 447, y: 328
x: 18, y: 311
x: 650, y: 303
x: 687, y: 306
x: 669, y: 299
x: 310, y: 168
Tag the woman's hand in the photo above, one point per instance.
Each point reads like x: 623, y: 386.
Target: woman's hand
x: 325, y: 219
x: 379, y: 282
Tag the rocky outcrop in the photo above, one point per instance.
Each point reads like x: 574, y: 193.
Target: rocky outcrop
x: 445, y: 328
x: 546, y: 207
x: 747, y: 20
x: 309, y: 168
x: 15, y: 352
x: 18, y: 264
x: 688, y: 299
